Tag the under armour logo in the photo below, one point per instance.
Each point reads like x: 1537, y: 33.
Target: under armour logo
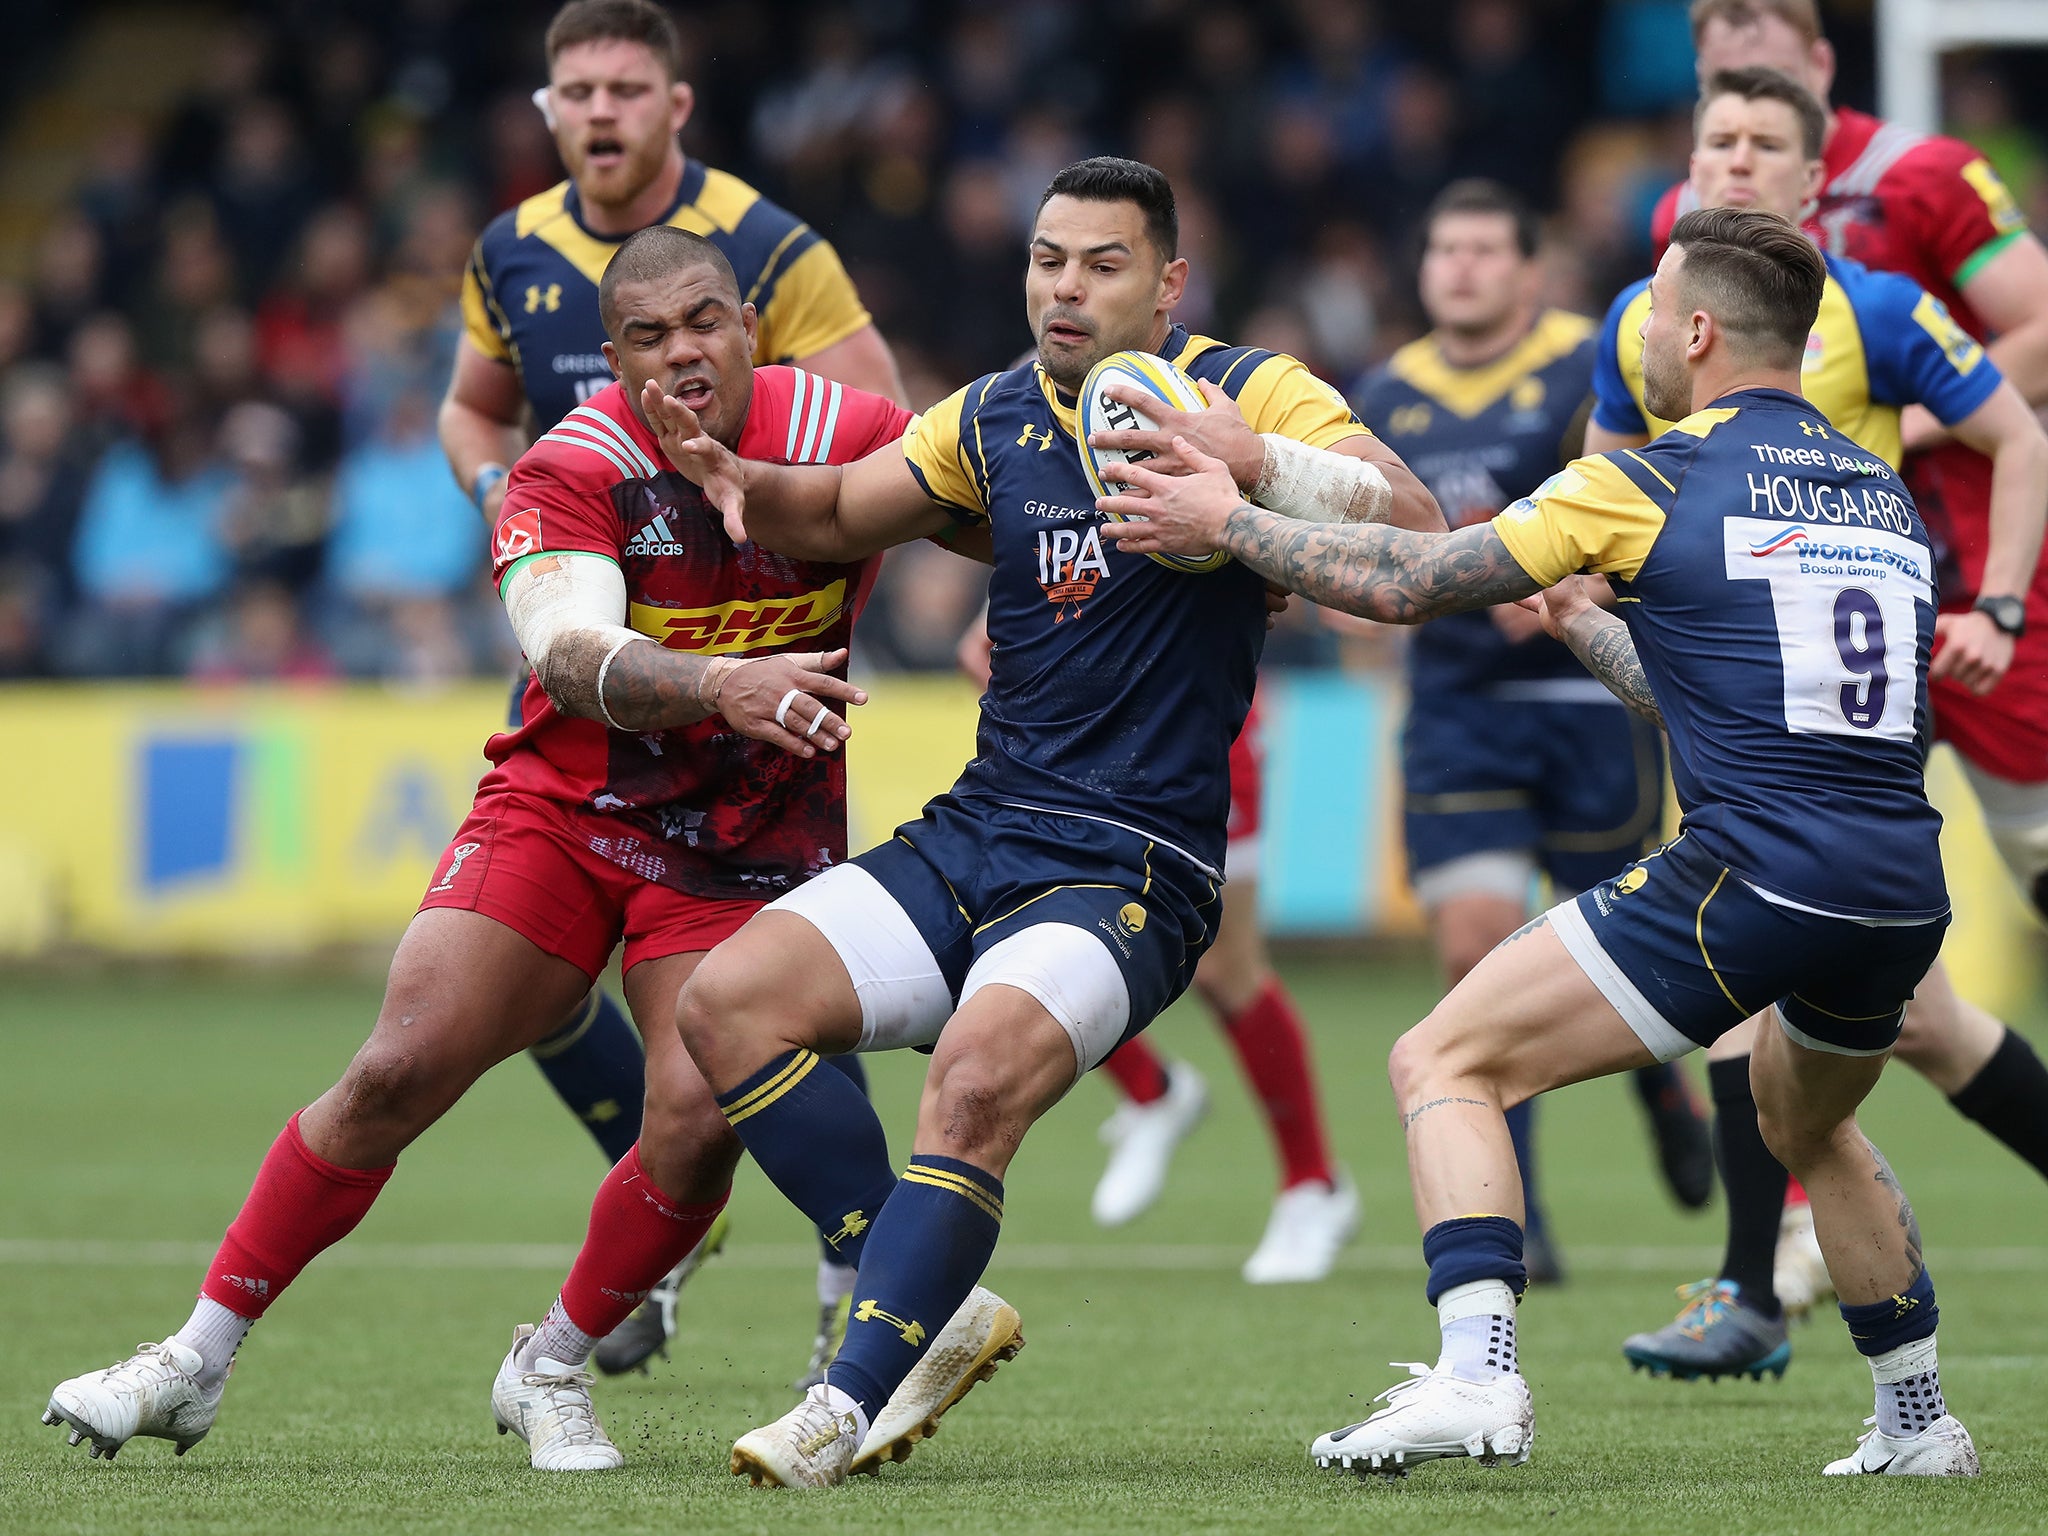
x: 1039, y: 435
x: 1810, y: 428
x: 538, y: 297
x: 912, y: 1330
x: 856, y: 1222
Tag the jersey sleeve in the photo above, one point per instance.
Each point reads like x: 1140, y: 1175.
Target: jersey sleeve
x: 1281, y: 396
x: 1615, y: 407
x: 943, y: 450
x: 867, y: 422
x: 812, y: 305
x: 483, y: 322
x: 1961, y: 210
x: 546, y: 512
x: 1918, y: 354
x: 1592, y: 515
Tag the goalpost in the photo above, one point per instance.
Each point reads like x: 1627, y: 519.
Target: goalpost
x: 1912, y: 35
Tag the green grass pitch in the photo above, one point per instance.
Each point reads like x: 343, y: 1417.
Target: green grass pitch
x: 1157, y: 1393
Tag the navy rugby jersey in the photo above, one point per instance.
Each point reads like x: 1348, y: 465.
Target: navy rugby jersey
x: 529, y: 296
x: 1119, y: 680
x: 1779, y: 585
x: 1479, y: 438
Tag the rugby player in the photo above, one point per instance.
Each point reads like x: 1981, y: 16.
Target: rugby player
x: 1514, y: 762
x: 1933, y: 209
x: 1316, y: 1211
x: 1787, y: 661
x: 1061, y: 894
x: 532, y: 353
x: 1882, y: 346
x: 677, y: 765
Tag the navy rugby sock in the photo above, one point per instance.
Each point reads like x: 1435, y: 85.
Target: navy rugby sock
x: 854, y: 1070
x: 2009, y: 1098
x: 1755, y: 1182
x: 596, y: 1066
x: 929, y: 1248
x: 818, y: 1139
x: 1522, y: 1132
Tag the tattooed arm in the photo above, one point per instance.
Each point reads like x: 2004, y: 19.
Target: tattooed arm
x: 1600, y: 641
x: 1369, y: 569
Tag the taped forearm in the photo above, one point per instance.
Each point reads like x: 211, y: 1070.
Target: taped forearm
x: 566, y: 611
x: 1320, y: 486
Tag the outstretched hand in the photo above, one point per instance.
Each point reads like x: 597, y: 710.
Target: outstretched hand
x: 701, y: 459
x: 1180, y: 514
x: 781, y: 700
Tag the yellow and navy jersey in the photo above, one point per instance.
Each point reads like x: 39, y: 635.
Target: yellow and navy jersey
x: 1779, y: 586
x: 1479, y: 438
x: 1881, y: 342
x: 1119, y: 680
x: 529, y: 296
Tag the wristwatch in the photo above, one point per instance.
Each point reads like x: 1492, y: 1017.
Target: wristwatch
x: 2008, y: 613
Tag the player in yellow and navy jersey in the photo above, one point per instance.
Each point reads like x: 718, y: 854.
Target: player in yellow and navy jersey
x: 1880, y: 344
x: 532, y: 353
x: 1060, y: 895
x: 1515, y: 764
x: 1776, y: 617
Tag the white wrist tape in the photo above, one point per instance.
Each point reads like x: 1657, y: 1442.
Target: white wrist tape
x: 575, y: 595
x: 1320, y: 486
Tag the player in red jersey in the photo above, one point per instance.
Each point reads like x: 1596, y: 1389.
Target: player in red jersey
x: 657, y: 794
x: 1932, y: 208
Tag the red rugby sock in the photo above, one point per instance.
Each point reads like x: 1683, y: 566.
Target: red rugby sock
x: 1273, y: 1049
x: 637, y: 1235
x: 1139, y: 1074
x: 300, y: 1206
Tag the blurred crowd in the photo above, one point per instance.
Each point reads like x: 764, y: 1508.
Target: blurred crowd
x: 220, y: 364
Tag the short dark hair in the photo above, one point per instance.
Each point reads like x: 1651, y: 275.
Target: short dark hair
x: 630, y: 21
x: 1802, y: 16
x: 1106, y: 179
x: 1758, y: 83
x: 1756, y: 274
x: 654, y: 252
x: 1478, y: 194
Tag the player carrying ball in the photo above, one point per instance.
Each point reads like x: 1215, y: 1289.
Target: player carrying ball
x: 1782, y: 641
x: 1060, y: 895
x: 677, y: 767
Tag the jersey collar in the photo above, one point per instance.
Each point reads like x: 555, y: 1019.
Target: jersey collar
x: 687, y: 189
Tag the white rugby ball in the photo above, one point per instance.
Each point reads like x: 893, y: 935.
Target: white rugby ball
x: 1150, y: 375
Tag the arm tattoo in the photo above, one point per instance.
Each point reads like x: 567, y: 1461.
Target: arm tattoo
x: 1603, y: 643
x: 1908, y: 1223
x: 1378, y: 571
x: 1420, y: 1110
x: 651, y: 688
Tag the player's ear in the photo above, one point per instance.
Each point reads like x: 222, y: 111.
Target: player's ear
x: 1820, y: 55
x: 1816, y: 178
x: 682, y: 101
x: 750, y: 321
x: 1173, y: 282
x: 611, y: 360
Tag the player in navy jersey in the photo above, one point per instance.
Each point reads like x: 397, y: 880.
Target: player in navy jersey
x: 1882, y: 346
x: 1514, y: 762
x: 532, y: 351
x: 1060, y: 895
x: 1775, y: 616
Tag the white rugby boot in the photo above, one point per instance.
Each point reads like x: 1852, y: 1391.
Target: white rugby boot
x: 153, y: 1392
x: 547, y: 1405
x: 1942, y: 1449
x: 983, y: 1333
x: 811, y: 1446
x: 1309, y: 1227
x: 1142, y: 1140
x: 1799, y: 1274
x: 1433, y: 1415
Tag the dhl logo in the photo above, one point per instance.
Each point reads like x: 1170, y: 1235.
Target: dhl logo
x: 742, y: 625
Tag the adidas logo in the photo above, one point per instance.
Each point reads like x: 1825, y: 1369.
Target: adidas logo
x: 655, y: 538
x: 244, y: 1283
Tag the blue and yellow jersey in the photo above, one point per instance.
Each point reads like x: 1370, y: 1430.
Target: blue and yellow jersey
x: 1881, y: 342
x: 529, y: 296
x: 1119, y: 680
x: 1779, y: 585
x: 1479, y: 438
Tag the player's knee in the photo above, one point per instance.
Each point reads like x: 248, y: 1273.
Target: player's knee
x: 971, y: 1114
x: 387, y: 1085
x: 686, y: 1145
x: 1793, y: 1133
x: 725, y: 1009
x: 1413, y: 1061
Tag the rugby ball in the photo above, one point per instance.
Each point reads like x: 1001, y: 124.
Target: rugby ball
x: 1149, y: 375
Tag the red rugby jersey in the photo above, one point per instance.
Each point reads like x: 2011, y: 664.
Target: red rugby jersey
x: 1930, y: 207
x: 700, y: 808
